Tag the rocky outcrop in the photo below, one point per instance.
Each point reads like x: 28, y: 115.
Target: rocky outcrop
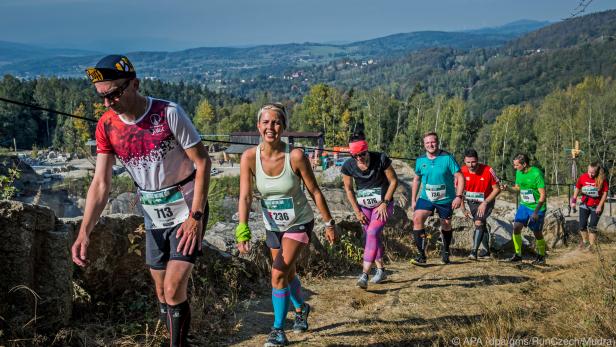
x: 36, y: 268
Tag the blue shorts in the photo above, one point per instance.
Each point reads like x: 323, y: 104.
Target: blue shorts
x: 523, y: 215
x: 444, y: 210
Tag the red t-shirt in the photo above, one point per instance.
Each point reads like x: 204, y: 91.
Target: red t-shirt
x: 591, y: 195
x: 478, y: 186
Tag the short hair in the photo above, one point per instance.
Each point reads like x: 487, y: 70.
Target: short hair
x: 430, y: 133
x: 276, y: 107
x: 471, y: 153
x: 522, y: 158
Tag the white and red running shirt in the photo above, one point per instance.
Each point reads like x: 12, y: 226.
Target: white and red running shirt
x: 591, y: 195
x: 478, y: 186
x: 152, y: 147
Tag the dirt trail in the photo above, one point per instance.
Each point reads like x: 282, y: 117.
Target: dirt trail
x: 414, y: 304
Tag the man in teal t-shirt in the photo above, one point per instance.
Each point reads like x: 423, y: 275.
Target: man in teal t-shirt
x: 530, y: 184
x: 442, y: 186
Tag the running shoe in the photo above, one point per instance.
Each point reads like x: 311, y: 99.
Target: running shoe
x: 484, y: 254
x: 419, y: 260
x: 379, y: 276
x: 540, y: 260
x: 515, y: 258
x: 472, y: 256
x: 445, y: 258
x: 362, y: 282
x: 301, y: 319
x: 276, y: 338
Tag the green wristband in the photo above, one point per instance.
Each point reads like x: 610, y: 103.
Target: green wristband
x: 242, y: 233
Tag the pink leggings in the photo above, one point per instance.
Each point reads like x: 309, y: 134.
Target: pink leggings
x: 373, y: 248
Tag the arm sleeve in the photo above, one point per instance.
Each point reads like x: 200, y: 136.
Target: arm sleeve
x: 385, y: 161
x: 453, y: 165
x: 182, y: 128
x: 540, y: 182
x: 345, y: 169
x: 103, y: 145
x: 605, y: 188
x: 578, y: 184
x: 493, y: 178
x: 417, y: 168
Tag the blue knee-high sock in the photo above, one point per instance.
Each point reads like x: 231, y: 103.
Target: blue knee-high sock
x: 280, y: 301
x: 295, y: 289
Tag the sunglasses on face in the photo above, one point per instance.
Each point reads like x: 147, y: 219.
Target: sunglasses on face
x: 360, y: 155
x: 116, y: 93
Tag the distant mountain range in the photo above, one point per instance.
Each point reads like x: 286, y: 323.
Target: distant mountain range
x: 209, y: 64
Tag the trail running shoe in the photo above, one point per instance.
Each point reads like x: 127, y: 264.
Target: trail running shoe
x: 445, y: 258
x: 379, y: 276
x: 276, y: 338
x: 362, y: 282
x: 540, y: 260
x: 419, y: 260
x: 515, y: 258
x: 301, y: 319
x: 484, y: 254
x: 472, y: 256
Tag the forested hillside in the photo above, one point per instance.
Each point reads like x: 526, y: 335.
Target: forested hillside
x: 499, y: 100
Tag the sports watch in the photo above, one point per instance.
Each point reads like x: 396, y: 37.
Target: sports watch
x: 330, y: 223
x: 197, y: 215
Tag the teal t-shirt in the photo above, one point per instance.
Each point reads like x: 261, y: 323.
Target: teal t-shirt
x: 529, y: 184
x: 437, y: 177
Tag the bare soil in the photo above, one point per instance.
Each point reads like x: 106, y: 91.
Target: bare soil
x: 432, y: 304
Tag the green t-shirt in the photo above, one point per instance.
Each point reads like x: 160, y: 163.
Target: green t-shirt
x: 529, y: 184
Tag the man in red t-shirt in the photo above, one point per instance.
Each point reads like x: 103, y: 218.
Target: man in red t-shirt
x: 163, y: 152
x: 480, y: 191
x: 593, y: 188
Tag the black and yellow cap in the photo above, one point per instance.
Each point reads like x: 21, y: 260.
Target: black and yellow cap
x: 111, y: 67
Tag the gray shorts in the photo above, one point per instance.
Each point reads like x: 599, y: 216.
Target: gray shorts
x: 161, y: 245
x: 474, y: 206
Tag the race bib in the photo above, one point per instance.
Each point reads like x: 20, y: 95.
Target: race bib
x: 474, y: 196
x: 436, y: 192
x: 369, y: 198
x: 590, y: 191
x: 165, y: 208
x: 279, y: 212
x: 527, y: 196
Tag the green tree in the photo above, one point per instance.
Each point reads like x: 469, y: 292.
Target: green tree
x: 204, y: 118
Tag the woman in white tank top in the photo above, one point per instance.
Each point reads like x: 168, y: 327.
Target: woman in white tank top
x: 288, y: 217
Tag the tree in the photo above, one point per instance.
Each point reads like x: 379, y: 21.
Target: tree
x: 204, y: 118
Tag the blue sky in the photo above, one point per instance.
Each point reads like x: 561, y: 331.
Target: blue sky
x: 176, y: 24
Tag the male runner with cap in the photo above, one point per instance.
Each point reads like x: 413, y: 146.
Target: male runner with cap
x: 480, y: 191
x: 162, y: 151
x: 442, y: 185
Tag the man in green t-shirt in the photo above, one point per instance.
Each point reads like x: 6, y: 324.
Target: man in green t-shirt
x: 530, y: 184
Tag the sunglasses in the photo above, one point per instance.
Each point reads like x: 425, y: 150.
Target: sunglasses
x: 358, y: 155
x: 116, y: 93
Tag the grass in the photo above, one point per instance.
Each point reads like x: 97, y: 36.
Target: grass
x: 569, y: 303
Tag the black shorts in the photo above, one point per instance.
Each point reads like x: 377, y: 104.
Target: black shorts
x: 161, y: 245
x: 474, y: 206
x: 587, y: 212
x: 273, y: 239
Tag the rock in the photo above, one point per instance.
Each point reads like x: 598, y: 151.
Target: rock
x: 125, y: 203
x: 116, y: 256
x: 554, y: 228
x: 36, y: 263
x: 607, y: 224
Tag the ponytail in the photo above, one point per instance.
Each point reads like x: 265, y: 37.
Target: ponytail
x: 600, y: 177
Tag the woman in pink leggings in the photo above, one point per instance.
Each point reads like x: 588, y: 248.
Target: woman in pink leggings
x: 375, y: 184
